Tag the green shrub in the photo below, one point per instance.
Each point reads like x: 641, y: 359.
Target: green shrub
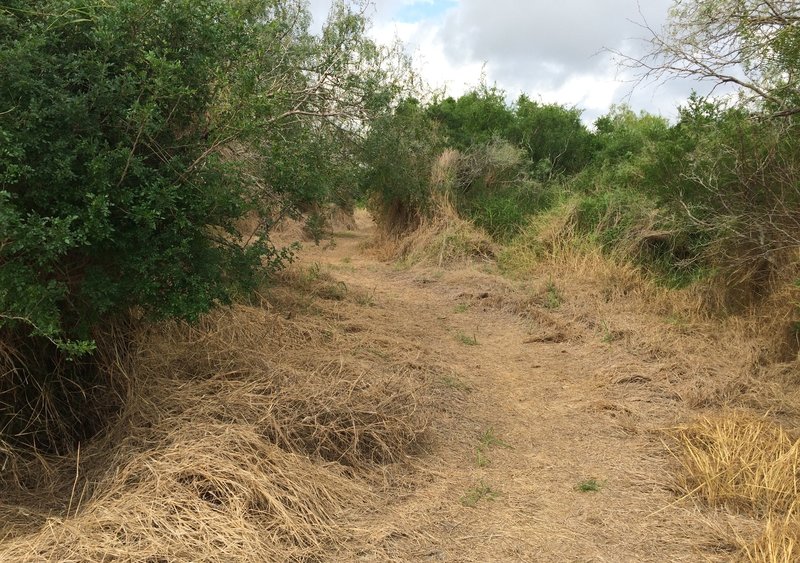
x: 133, y: 135
x: 399, y: 154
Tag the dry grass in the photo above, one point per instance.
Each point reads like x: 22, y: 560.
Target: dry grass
x: 741, y: 463
x: 780, y: 542
x: 748, y: 465
x: 441, y: 239
x: 248, y: 437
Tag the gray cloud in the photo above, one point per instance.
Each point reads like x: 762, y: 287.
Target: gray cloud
x: 548, y: 40
x: 548, y: 49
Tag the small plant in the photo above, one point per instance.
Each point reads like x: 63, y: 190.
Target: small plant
x: 588, y: 486
x: 312, y: 273
x: 552, y: 297
x: 333, y: 292
x: 677, y: 320
x: 467, y: 339
x: 366, y: 299
x: 478, y: 493
x: 490, y: 440
x: 462, y: 308
x: 609, y: 335
x: 452, y: 382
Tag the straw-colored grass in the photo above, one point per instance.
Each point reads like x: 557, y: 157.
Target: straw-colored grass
x: 247, y: 437
x: 740, y: 462
x: 780, y: 542
x: 746, y: 465
x: 439, y: 239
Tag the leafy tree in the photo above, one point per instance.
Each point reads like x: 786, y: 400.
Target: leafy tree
x: 553, y: 136
x: 133, y: 134
x: 399, y: 154
x: 754, y: 44
x: 474, y: 118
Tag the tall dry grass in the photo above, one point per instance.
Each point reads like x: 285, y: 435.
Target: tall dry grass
x: 438, y: 236
x: 749, y: 465
x: 247, y: 437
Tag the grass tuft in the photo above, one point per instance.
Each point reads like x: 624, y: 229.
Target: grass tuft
x: 479, y: 492
x: 589, y: 486
x: 743, y: 463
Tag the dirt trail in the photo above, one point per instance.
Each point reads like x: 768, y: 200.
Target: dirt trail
x: 538, y: 416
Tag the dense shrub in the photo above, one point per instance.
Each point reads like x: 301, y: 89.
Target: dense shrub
x: 133, y: 135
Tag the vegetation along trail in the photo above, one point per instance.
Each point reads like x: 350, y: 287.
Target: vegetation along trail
x: 545, y: 448
x: 528, y: 331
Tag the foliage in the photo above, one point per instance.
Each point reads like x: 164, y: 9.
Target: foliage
x: 133, y: 135
x: 135, y: 132
x: 399, y: 154
x: 753, y: 44
x: 553, y: 136
x: 474, y: 118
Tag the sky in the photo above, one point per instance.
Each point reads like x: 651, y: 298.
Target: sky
x: 551, y: 50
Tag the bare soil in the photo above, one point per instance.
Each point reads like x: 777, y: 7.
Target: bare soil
x: 548, y: 442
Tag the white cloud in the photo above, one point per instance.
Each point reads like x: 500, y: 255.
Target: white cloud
x: 553, y: 51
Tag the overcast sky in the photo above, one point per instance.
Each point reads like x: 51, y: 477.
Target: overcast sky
x: 552, y: 50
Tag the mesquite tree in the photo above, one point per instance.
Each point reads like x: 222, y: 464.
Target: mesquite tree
x: 753, y: 44
x: 133, y: 135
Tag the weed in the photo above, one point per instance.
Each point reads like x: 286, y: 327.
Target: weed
x: 490, y: 440
x: 588, y: 486
x: 452, y: 382
x: 365, y: 299
x: 478, y: 493
x: 462, y: 308
x: 609, y: 335
x: 552, y: 297
x: 333, y: 292
x: 312, y: 273
x: 467, y: 339
x: 346, y: 260
x: 676, y: 319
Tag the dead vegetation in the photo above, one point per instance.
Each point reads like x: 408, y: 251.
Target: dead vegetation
x: 737, y: 372
x: 248, y: 437
x: 271, y: 431
x: 437, y: 236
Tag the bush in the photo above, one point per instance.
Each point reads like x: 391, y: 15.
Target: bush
x: 399, y: 155
x: 133, y: 135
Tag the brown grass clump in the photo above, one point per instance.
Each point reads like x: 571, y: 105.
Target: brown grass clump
x: 248, y: 437
x: 748, y: 465
x: 742, y: 463
x: 441, y: 239
x: 205, y: 493
x: 780, y: 542
x: 327, y: 408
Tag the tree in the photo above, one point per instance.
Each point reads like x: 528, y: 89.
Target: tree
x: 133, y: 134
x: 474, y: 118
x: 398, y: 154
x: 753, y: 44
x: 552, y: 134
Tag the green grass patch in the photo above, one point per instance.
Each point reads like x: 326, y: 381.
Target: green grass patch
x: 589, y: 486
x: 467, y: 340
x: 453, y: 382
x: 479, y: 492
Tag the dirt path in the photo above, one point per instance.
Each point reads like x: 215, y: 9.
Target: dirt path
x: 541, y: 419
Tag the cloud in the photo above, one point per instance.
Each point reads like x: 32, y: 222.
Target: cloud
x: 554, y: 51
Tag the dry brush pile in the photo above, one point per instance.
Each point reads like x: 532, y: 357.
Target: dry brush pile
x: 249, y: 437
